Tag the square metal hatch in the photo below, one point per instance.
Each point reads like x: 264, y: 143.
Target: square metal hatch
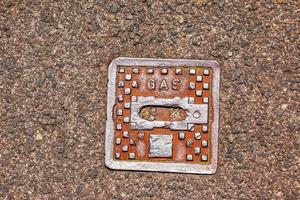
x: 162, y: 115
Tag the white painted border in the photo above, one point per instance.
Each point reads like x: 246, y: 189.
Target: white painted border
x: 161, y: 166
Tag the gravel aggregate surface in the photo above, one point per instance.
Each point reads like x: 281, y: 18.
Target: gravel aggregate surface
x: 54, y: 56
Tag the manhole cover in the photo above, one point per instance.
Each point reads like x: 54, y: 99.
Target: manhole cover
x: 162, y: 115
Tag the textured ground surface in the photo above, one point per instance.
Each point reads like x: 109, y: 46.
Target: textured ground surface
x: 53, y: 63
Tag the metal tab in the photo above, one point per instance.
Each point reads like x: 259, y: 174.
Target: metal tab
x: 192, y: 109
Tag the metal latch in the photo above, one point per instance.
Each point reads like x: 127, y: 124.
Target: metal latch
x: 196, y: 113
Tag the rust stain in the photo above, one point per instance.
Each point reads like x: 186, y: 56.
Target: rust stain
x: 169, y: 85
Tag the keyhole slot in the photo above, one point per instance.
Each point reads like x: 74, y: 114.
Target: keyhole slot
x: 163, y: 113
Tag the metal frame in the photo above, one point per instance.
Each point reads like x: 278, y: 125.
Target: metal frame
x: 161, y: 166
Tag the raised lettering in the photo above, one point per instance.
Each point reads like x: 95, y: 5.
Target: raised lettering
x: 151, y: 84
x: 163, y: 85
x: 175, y: 84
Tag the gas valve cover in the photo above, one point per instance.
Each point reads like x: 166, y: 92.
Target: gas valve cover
x: 162, y: 115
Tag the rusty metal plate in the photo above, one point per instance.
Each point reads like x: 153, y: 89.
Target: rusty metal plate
x: 162, y: 115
